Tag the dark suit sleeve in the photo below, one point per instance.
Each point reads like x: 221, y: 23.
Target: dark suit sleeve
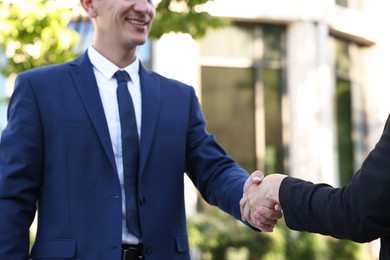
x: 359, y: 211
x: 20, y: 171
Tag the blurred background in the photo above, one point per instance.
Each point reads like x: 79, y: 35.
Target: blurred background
x: 290, y: 86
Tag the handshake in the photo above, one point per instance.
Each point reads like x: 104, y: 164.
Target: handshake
x: 358, y: 211
x: 260, y: 205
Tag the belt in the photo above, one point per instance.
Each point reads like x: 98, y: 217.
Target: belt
x: 132, y: 252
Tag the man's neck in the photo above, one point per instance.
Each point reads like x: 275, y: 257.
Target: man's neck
x: 118, y: 56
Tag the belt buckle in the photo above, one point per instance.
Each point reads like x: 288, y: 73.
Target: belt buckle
x: 132, y: 254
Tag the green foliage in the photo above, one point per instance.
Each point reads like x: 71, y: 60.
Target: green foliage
x: 344, y: 249
x: 34, y: 33
x: 215, y: 234
x: 184, y: 16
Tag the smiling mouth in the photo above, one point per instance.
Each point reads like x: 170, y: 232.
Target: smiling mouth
x: 137, y: 22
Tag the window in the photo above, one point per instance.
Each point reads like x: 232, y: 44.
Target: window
x: 242, y: 87
x: 229, y: 107
x: 349, y: 101
x: 342, y: 3
x: 353, y: 4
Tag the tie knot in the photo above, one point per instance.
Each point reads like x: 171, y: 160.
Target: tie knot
x: 122, y: 76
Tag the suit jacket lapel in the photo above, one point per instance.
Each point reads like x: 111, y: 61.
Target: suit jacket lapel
x: 150, y: 91
x: 85, y: 82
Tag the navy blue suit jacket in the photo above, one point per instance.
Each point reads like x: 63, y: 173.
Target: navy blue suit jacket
x: 360, y: 211
x: 56, y: 156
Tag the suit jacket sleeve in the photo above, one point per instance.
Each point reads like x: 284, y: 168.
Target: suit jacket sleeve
x: 20, y: 171
x: 359, y: 211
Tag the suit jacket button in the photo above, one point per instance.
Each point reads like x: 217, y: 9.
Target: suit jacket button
x: 142, y: 201
x: 149, y: 250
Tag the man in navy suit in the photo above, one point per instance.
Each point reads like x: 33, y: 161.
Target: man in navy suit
x: 359, y: 211
x: 61, y: 153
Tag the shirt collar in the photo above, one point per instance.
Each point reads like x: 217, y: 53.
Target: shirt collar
x: 107, y: 68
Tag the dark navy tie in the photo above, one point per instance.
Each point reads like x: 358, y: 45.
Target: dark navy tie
x: 130, y: 151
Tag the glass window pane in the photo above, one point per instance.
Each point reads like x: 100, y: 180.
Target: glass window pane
x: 230, y: 111
x: 228, y: 105
x: 342, y: 3
x: 233, y: 42
x: 272, y: 38
x: 344, y: 130
x: 342, y: 57
x: 273, y: 121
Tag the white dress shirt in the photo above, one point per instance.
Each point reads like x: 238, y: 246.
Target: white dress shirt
x: 104, y: 72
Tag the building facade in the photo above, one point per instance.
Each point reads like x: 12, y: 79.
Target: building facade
x: 291, y: 86
x: 297, y: 87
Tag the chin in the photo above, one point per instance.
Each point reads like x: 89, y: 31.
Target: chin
x: 138, y: 42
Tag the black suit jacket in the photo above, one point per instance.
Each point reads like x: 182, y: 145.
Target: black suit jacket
x: 360, y: 211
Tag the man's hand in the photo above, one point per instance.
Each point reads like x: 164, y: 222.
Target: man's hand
x: 255, y: 178
x: 259, y: 212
